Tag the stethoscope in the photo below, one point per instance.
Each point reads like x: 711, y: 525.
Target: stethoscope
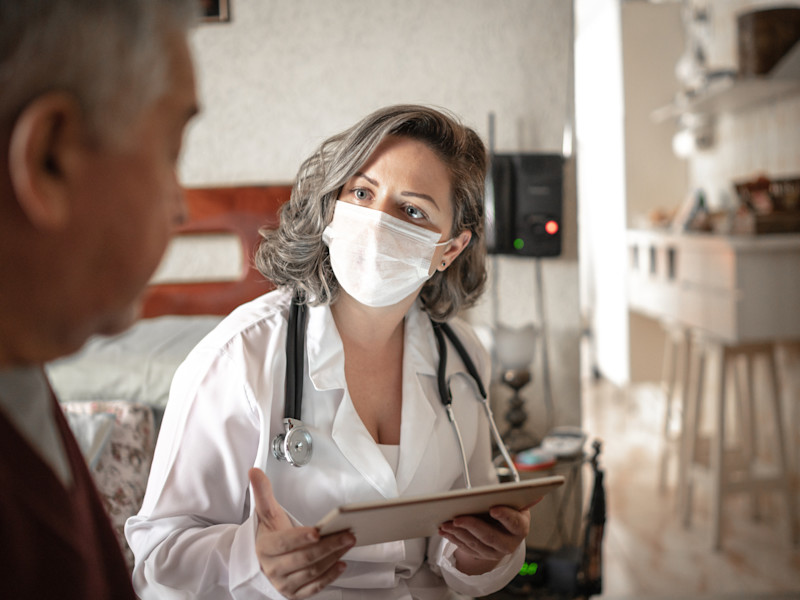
x: 295, y: 445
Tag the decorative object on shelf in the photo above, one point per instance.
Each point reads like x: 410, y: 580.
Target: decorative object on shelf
x: 691, y: 67
x: 768, y: 205
x: 693, y: 214
x: 516, y: 348
x: 764, y: 37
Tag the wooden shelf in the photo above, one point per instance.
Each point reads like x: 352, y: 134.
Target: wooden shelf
x: 731, y: 94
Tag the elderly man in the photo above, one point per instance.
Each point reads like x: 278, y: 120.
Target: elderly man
x: 95, y: 95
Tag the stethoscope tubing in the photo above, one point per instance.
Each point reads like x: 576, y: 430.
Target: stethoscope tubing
x: 447, y: 398
x: 295, y: 353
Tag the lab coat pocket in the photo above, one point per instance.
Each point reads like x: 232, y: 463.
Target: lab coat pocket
x: 372, y: 566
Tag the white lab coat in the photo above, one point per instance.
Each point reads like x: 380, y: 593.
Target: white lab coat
x: 195, y: 534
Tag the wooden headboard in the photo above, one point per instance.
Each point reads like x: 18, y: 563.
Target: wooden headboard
x: 241, y: 211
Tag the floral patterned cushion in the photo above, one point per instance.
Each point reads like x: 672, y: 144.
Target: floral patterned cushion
x: 121, y: 469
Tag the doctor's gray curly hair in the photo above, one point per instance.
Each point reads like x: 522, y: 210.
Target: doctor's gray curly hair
x: 294, y: 255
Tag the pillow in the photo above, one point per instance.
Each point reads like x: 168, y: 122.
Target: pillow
x: 121, y: 469
x: 136, y: 365
x: 92, y: 431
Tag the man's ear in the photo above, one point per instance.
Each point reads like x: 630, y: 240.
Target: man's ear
x: 45, y: 141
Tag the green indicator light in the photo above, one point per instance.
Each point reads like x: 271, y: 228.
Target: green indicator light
x: 518, y: 244
x: 529, y: 569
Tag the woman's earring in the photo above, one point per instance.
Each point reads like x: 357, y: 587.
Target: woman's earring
x: 444, y: 264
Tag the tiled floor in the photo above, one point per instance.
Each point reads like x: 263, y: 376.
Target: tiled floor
x: 647, y: 552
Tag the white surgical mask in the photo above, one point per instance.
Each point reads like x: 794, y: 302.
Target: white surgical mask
x: 378, y: 259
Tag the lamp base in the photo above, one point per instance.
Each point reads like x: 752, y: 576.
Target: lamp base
x: 517, y: 440
x: 515, y: 437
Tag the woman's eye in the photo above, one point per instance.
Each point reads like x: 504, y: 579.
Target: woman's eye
x: 360, y: 194
x: 414, y: 212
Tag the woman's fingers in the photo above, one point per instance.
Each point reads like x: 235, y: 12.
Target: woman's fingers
x: 286, y: 557
x: 306, y: 569
x: 489, y: 538
x: 296, y: 560
x: 286, y: 545
x: 464, y: 539
x: 516, y: 522
x: 317, y: 572
x: 317, y: 585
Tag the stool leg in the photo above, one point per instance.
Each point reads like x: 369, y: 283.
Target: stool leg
x: 685, y: 358
x: 791, y: 352
x: 668, y: 386
x: 718, y: 455
x: 747, y: 428
x: 689, y: 443
x: 782, y: 458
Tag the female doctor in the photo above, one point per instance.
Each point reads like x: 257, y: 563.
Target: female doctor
x: 381, y: 235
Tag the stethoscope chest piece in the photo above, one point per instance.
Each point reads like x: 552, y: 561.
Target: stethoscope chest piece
x: 295, y: 445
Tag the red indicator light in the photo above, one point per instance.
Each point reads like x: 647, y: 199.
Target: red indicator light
x: 551, y: 227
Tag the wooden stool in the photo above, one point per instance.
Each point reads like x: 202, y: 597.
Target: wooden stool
x: 734, y: 470
x: 675, y: 387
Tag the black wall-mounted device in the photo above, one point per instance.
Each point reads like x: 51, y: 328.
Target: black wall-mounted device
x: 524, y: 205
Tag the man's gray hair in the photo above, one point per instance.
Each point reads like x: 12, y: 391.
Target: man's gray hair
x: 110, y: 54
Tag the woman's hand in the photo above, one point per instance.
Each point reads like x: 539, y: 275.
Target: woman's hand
x: 295, y: 559
x: 482, y: 543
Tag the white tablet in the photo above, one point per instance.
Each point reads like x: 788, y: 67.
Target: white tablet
x: 420, y: 516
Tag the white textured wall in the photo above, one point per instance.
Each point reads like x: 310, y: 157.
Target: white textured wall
x: 283, y: 75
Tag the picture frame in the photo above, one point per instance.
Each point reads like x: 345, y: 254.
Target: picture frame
x: 215, y: 11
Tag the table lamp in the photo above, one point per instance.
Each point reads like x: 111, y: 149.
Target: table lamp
x: 515, y: 348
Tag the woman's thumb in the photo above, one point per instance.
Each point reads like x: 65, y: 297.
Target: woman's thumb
x: 270, y: 514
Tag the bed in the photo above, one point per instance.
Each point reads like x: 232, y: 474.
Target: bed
x: 115, y: 389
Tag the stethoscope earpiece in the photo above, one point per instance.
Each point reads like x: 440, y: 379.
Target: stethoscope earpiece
x: 295, y: 446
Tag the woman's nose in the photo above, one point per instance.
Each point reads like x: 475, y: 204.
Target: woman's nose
x: 384, y: 204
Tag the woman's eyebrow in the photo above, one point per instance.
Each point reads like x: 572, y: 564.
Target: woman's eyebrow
x: 372, y: 181
x: 421, y: 196
x: 406, y: 193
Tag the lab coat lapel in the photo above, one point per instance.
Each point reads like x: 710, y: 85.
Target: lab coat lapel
x: 358, y: 447
x: 419, y: 393
x: 326, y: 370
